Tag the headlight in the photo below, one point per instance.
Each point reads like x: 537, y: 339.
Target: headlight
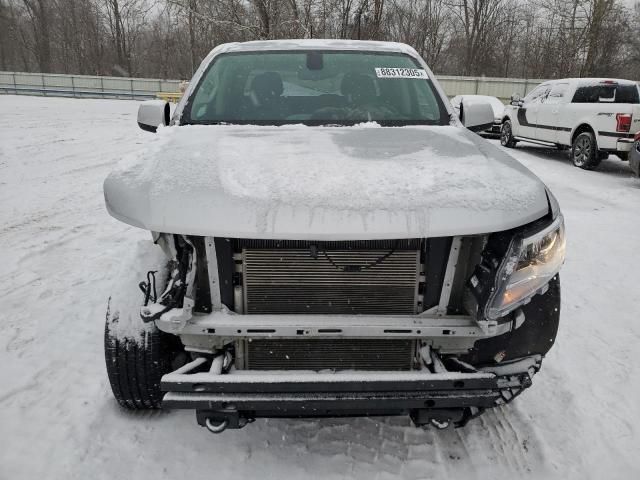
x: 530, y: 264
x: 531, y: 260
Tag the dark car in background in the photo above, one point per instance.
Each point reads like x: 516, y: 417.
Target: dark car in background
x: 634, y: 155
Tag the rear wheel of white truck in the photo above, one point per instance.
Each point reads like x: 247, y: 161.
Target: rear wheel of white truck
x: 584, y: 151
x: 136, y: 360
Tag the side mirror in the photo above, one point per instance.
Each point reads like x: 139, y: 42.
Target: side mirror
x: 476, y: 116
x: 152, y: 113
x: 516, y: 100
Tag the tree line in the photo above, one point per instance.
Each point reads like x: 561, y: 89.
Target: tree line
x: 169, y: 38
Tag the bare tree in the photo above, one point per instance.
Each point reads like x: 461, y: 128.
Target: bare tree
x: 534, y: 39
x: 599, y: 12
x: 40, y: 18
x: 479, y: 21
x: 126, y: 20
x: 425, y: 24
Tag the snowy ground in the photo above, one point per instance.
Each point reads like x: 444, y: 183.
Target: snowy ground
x: 60, y: 249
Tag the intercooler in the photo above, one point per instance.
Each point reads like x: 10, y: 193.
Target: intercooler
x: 316, y: 280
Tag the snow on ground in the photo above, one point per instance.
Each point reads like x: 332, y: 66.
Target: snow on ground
x: 61, y: 250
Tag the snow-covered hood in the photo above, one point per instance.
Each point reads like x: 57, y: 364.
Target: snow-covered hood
x: 297, y: 182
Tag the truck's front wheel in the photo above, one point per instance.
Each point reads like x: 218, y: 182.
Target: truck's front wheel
x: 506, y: 135
x: 584, y: 151
x: 136, y: 360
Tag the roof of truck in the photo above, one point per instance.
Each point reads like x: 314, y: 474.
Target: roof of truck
x: 315, y: 44
x: 592, y: 81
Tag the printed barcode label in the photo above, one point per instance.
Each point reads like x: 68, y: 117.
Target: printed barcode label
x: 392, y: 72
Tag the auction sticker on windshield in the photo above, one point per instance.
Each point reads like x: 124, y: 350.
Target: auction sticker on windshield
x: 393, y: 72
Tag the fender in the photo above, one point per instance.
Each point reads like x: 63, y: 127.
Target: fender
x: 522, y: 117
x: 583, y: 121
x: 512, y: 117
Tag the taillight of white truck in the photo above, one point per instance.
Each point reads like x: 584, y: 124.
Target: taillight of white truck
x: 623, y: 122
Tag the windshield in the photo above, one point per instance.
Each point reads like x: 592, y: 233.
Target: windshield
x: 316, y: 88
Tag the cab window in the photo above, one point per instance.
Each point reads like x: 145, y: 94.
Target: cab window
x: 557, y: 93
x: 606, y: 93
x: 537, y: 94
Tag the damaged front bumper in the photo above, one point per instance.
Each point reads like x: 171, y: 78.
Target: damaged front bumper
x: 234, y: 399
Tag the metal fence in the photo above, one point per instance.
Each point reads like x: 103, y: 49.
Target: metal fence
x: 57, y: 85
x: 502, y: 88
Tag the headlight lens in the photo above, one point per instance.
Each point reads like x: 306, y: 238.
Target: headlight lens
x: 531, y: 262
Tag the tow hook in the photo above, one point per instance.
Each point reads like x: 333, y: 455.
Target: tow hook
x: 440, y: 424
x: 439, y: 418
x: 215, y: 426
x: 217, y: 421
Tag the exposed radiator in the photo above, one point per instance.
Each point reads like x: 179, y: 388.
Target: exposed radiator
x: 333, y: 354
x: 340, y: 281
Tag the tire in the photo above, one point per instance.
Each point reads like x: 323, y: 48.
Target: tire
x: 135, y: 364
x: 624, y: 156
x: 506, y: 135
x: 584, y: 151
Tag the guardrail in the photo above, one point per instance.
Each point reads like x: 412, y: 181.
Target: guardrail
x: 86, y: 86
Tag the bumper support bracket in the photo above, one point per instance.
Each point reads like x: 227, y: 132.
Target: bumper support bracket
x: 236, y: 399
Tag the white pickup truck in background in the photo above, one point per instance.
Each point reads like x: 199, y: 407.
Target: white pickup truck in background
x: 592, y: 116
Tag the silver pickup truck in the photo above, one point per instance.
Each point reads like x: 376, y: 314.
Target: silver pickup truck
x: 328, y: 240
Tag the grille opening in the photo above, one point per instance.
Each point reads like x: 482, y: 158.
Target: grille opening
x: 375, y: 297
x: 328, y: 354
